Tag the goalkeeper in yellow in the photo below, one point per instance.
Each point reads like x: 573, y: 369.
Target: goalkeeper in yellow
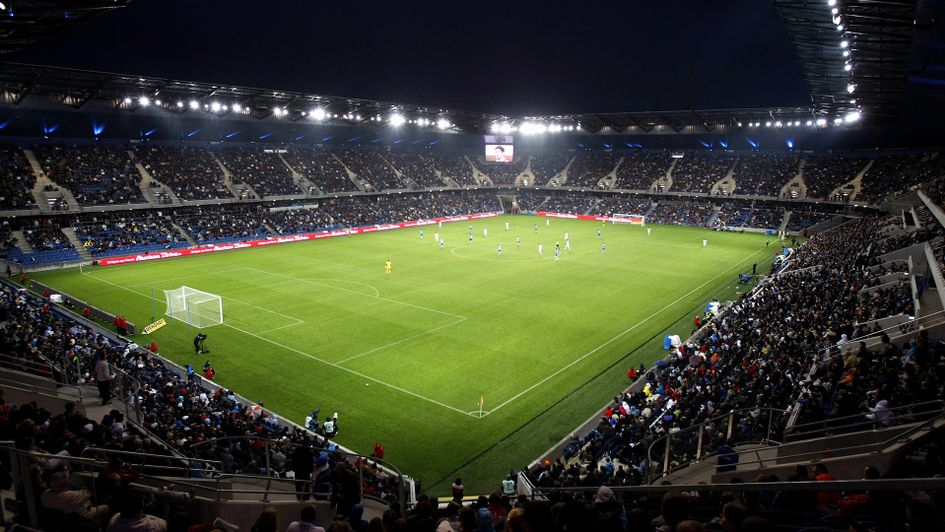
x: 388, y: 267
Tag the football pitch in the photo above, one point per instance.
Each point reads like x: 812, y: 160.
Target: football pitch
x: 405, y: 358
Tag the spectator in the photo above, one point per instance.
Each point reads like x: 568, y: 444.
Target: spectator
x: 131, y: 517
x: 306, y: 522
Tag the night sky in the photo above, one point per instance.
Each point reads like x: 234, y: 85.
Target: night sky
x: 512, y: 58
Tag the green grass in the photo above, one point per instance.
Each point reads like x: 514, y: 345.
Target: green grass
x: 405, y: 358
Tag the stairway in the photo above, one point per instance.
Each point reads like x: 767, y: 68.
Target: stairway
x: 716, y: 210
x: 183, y: 233
x: 358, y: 182
x: 76, y: 243
x: 300, y: 180
x: 784, y: 221
x: 231, y: 185
x: 145, y: 184
x: 24, y: 246
x: 561, y: 177
x: 666, y: 180
x: 40, y: 196
x: 480, y: 178
x: 858, y: 180
x: 796, y: 182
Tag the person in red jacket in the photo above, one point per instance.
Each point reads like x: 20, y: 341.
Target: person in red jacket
x: 153, y: 347
x: 632, y: 374
x: 208, y: 371
x: 378, y: 451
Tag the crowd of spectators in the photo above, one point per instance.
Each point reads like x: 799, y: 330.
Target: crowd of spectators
x: 621, y: 205
x: 221, y: 224
x: 321, y: 168
x: 453, y: 167
x: 681, y: 213
x: 97, y: 174
x: 764, y: 174
x: 16, y: 179
x: 503, y: 173
x: 262, y: 169
x: 531, y: 201
x: 639, y: 171
x: 895, y: 174
x: 191, y: 172
x: 590, y: 167
x: 546, y: 165
x: 735, y: 217
x: 415, y: 167
x: 803, y: 218
x: 571, y: 203
x: 121, y: 233
x: 824, y: 173
x: 697, y: 172
x: 371, y: 167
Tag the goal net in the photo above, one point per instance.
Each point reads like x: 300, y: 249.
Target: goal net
x: 194, y: 307
x: 637, y: 219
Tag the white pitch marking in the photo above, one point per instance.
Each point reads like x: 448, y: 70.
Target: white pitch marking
x: 608, y: 342
x: 402, y: 340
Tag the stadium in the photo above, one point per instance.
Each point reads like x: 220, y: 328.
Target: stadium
x: 415, y: 268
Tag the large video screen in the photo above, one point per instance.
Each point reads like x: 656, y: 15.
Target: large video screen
x: 499, y: 153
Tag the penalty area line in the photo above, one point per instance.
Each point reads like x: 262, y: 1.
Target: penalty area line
x: 622, y: 334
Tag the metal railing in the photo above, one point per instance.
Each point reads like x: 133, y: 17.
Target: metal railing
x: 911, y: 413
x: 661, y: 452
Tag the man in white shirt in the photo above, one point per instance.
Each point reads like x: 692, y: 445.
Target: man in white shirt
x: 103, y: 376
x: 306, y: 522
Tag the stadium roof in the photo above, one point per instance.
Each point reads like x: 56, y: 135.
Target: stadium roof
x: 855, y: 54
x: 24, y: 22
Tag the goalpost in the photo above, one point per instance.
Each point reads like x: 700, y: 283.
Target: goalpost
x: 635, y: 219
x: 194, y: 307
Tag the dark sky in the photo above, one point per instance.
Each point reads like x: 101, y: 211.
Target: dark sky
x: 512, y: 58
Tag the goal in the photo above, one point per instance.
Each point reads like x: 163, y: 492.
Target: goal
x: 636, y: 219
x: 194, y: 307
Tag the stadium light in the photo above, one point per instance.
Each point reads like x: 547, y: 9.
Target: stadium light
x: 215, y: 107
x: 851, y: 87
x: 837, y: 121
x: 848, y: 67
x: 810, y: 123
x: 157, y: 102
x: 821, y: 122
x: 846, y: 53
x: 318, y: 114
x: 3, y: 7
x: 797, y: 122
x: 194, y: 105
x: 127, y: 100
x: 844, y: 44
x: 443, y: 123
x: 778, y: 124
x: 852, y: 117
x: 840, y: 27
x: 831, y: 3
x: 144, y: 101
x: 237, y: 108
x: 767, y: 124
x: 397, y: 120
x: 180, y: 104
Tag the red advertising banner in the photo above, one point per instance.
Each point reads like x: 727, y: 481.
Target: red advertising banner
x: 213, y: 248
x: 628, y: 220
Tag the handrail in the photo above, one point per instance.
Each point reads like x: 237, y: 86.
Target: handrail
x: 829, y: 424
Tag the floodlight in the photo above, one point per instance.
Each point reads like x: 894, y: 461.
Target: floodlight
x: 840, y: 27
x: 318, y: 113
x: 851, y: 87
x: 224, y: 108
x: 157, y: 102
x: 443, y: 123
x: 144, y: 101
x: 778, y: 124
x: 237, y: 108
x: 851, y: 117
x: 767, y: 124
x: 844, y: 44
x: 848, y: 67
x: 821, y: 122
x: 797, y: 122
x: 3, y: 7
x: 397, y: 119
x: 215, y: 107
x: 831, y: 2
x: 846, y: 53
x: 810, y: 123
x: 127, y: 100
x: 837, y: 121
x: 180, y: 104
x: 194, y: 105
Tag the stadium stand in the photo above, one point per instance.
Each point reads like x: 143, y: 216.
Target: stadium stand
x: 370, y: 166
x: 824, y: 173
x: 802, y: 218
x: 697, y: 172
x: 218, y: 225
x: 763, y: 174
x: 638, y: 171
x: 191, y: 172
x: 893, y: 174
x: 453, y: 167
x: 122, y: 234
x: 261, y: 169
x: 618, y: 205
x: 415, y: 167
x: 320, y: 166
x: 571, y: 203
x: 97, y: 174
x: 16, y: 179
x: 546, y: 165
x: 589, y: 167
x: 681, y: 213
x: 502, y: 173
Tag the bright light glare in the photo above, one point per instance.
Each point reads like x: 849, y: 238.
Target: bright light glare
x: 194, y: 105
x: 821, y: 122
x: 851, y: 87
x: 851, y: 117
x: 318, y: 113
x: 144, y: 101
x: 215, y: 107
x: 397, y: 119
x: 180, y: 104
x: 443, y: 123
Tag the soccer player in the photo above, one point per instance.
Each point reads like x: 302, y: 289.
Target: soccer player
x: 470, y: 237
x: 536, y: 228
x: 705, y: 242
x: 470, y: 228
x: 485, y: 232
x: 567, y: 245
x: 436, y: 236
x: 518, y: 242
x: 648, y: 231
x: 442, y: 243
x: 388, y: 266
x: 557, y: 248
x: 499, y: 249
x: 557, y: 252
x: 421, y: 233
x: 603, y: 247
x: 565, y: 236
x: 506, y: 226
x: 540, y: 248
x: 598, y: 232
x: 547, y: 222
